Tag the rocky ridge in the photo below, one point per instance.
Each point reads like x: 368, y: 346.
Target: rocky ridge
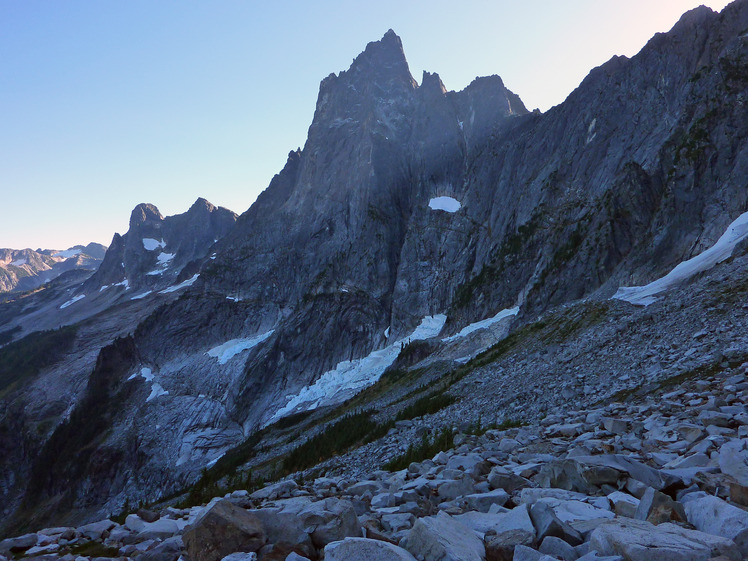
x: 26, y: 269
x: 156, y: 251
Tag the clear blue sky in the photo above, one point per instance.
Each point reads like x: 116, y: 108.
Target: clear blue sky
x: 107, y: 104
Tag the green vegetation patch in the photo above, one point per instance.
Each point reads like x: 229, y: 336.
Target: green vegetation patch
x: 24, y: 359
x: 7, y: 336
x: 426, y: 405
x: 94, y: 549
x: 335, y: 439
x: 427, y: 448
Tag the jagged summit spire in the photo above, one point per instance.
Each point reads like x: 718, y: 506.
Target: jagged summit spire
x: 202, y: 204
x: 383, y: 58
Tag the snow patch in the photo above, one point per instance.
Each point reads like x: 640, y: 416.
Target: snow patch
x: 483, y: 324
x: 447, y: 204
x: 720, y: 251
x: 230, y: 349
x: 591, y: 132
x: 145, y: 372
x: 184, y: 284
x: 164, y: 259
x: 156, y: 391
x: 19, y: 262
x: 387, y: 333
x: 125, y: 283
x: 351, y: 376
x: 72, y: 301
x: 141, y: 296
x: 163, y: 263
x: 214, y: 461
x: 67, y: 254
x: 151, y: 245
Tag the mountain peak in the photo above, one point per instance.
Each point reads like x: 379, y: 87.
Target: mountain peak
x: 383, y: 59
x: 144, y: 212
x: 432, y: 81
x: 695, y: 16
x: 201, y: 204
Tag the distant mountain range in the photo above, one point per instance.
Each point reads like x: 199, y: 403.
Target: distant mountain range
x: 415, y: 230
x: 26, y: 269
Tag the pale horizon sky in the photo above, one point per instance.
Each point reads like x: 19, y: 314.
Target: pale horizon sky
x: 104, y: 105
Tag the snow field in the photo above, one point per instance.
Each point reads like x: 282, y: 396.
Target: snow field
x: 736, y: 232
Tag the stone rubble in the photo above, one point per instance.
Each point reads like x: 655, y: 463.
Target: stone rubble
x: 664, y: 478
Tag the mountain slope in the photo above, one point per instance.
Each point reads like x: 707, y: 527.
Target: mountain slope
x: 410, y: 211
x: 51, y: 389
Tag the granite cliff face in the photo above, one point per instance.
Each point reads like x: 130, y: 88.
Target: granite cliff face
x: 411, y: 212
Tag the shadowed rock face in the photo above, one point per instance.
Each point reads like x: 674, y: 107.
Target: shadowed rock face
x: 643, y: 166
x: 633, y: 173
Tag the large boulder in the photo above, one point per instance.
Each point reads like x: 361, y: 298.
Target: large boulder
x: 240, y: 556
x: 563, y: 474
x: 362, y: 487
x: 330, y: 520
x: 484, y: 523
x: 134, y: 523
x: 624, y: 504
x: 524, y: 553
x: 714, y: 516
x: 442, y: 538
x: 635, y: 469
x: 558, y: 549
x: 502, y: 478
x: 365, y: 549
x: 473, y: 464
x: 656, y: 507
x: 482, y: 502
x: 637, y: 540
x: 548, y: 524
x: 501, y: 546
x: 454, y: 488
x: 223, y: 529
x: 278, y: 490
x: 19, y: 543
x: 733, y: 461
x: 284, y: 530
x: 97, y: 530
x: 169, y: 550
x: 161, y: 529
